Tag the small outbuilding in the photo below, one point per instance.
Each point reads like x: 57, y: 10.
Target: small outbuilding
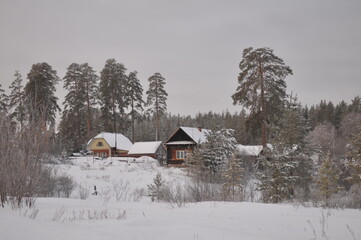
x: 150, y: 149
x: 250, y: 150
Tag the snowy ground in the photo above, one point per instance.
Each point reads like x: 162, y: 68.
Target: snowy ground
x: 135, y: 217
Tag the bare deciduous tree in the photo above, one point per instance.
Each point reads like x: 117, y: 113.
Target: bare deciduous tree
x: 21, y: 162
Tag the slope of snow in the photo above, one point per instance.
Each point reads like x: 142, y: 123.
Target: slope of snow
x: 104, y: 217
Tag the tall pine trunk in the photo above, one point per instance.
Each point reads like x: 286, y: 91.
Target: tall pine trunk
x: 157, y: 113
x: 89, y: 115
x: 264, y: 110
x: 133, y: 128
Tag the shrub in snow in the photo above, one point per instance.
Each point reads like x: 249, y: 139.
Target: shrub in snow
x: 121, y: 189
x: 346, y: 199
x: 199, y: 191
x: 65, y: 186
x: 138, y: 194
x: 59, y: 213
x: 84, y: 192
x: 34, y: 213
x: 106, y: 178
x: 176, y: 195
x: 48, y: 188
x: 62, y: 214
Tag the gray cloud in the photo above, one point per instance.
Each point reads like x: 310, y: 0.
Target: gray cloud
x: 196, y: 45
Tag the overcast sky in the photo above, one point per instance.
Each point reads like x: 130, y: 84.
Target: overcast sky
x: 195, y: 45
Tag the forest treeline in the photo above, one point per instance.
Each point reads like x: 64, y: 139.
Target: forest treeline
x: 115, y: 101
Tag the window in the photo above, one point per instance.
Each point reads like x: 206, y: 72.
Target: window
x: 100, y: 144
x: 181, y: 154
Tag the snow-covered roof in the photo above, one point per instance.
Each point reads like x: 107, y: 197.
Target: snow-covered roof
x: 144, y: 147
x: 198, y: 135
x: 180, y: 143
x: 123, y: 143
x: 248, y: 150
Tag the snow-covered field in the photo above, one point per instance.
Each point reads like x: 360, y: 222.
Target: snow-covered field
x: 121, y: 211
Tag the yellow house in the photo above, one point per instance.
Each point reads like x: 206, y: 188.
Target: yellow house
x: 110, y: 144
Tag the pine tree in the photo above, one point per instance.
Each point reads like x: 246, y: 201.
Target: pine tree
x: 195, y: 162
x: 340, y: 112
x: 233, y: 178
x: 261, y: 84
x: 155, y: 190
x: 312, y: 118
x: 39, y: 93
x: 16, y: 99
x: 327, y: 179
x: 290, y: 128
x: 71, y: 126
x: 113, y: 96
x: 135, y: 94
x: 76, y: 123
x: 355, y: 105
x: 277, y: 181
x: 218, y: 148
x: 354, y: 156
x: 3, y: 102
x: 90, y: 92
x: 156, y: 99
x: 290, y: 140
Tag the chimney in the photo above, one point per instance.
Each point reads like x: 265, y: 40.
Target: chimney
x: 200, y: 129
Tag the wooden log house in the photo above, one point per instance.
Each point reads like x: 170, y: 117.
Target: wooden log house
x: 182, y: 142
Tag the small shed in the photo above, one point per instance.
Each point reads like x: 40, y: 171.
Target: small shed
x: 150, y: 149
x: 250, y: 150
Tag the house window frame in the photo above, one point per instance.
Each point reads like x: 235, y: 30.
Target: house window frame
x: 181, y: 154
x: 100, y: 144
x: 101, y: 154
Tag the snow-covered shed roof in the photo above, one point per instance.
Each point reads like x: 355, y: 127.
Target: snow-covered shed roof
x: 249, y: 150
x: 123, y: 143
x: 199, y: 135
x: 144, y: 147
